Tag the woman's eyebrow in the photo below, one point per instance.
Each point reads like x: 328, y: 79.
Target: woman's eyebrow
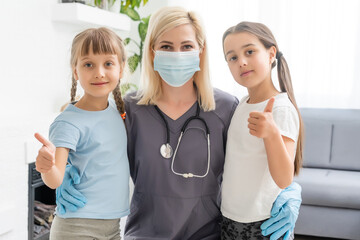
x: 166, y: 42
x: 187, y: 41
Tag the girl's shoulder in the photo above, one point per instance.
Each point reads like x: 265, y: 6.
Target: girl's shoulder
x: 68, y: 114
x: 286, y: 116
x: 282, y: 101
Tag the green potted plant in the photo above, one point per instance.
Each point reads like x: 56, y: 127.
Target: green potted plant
x: 128, y: 7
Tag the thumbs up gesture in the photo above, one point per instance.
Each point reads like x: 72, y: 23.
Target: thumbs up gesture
x: 261, y: 124
x: 46, y: 157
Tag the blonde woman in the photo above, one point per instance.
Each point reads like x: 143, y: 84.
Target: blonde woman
x: 177, y: 129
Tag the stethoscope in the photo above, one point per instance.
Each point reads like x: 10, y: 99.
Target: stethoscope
x: 166, y: 150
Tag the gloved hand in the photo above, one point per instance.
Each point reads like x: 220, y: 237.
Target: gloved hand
x: 284, y: 213
x: 67, y: 197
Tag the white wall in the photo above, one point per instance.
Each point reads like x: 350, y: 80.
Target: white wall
x: 319, y: 39
x: 35, y: 83
x: 33, y: 80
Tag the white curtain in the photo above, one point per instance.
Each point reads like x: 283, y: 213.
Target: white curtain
x: 319, y: 39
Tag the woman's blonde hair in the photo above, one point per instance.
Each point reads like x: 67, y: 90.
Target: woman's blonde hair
x: 266, y: 37
x: 100, y: 41
x: 164, y: 20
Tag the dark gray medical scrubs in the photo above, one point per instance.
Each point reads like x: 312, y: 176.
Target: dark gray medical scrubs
x: 164, y: 205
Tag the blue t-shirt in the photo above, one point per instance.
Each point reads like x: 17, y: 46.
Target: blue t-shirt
x: 97, y: 142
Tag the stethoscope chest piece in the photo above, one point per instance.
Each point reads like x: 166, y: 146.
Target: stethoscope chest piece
x: 166, y: 150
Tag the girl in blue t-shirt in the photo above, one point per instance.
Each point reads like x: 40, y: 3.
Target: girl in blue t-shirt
x: 90, y: 135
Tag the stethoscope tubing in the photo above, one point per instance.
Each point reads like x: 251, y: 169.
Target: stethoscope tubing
x: 183, y: 129
x: 166, y: 124
x: 190, y: 175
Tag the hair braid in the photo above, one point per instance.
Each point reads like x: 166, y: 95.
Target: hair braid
x: 73, y: 89
x: 118, y: 100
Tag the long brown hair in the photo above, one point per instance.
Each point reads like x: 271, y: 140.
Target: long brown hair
x: 101, y: 41
x: 266, y: 37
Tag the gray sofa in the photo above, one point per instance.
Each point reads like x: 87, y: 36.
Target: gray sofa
x: 330, y: 177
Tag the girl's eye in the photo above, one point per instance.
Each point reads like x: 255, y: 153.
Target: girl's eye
x: 109, y: 64
x: 249, y: 52
x: 232, y: 58
x: 88, y: 65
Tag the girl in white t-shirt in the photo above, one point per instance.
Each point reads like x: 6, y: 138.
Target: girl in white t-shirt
x: 264, y: 146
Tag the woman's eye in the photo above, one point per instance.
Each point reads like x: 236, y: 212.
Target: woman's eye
x: 165, y: 47
x: 187, y: 47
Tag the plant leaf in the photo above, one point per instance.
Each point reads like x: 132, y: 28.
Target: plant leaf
x: 135, y: 4
x: 133, y: 62
x: 124, y: 5
x: 142, y: 28
x: 146, y: 19
x: 145, y: 1
x: 126, y: 41
x: 97, y: 3
x: 130, y: 12
x: 124, y: 88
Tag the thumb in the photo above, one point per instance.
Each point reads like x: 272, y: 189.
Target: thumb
x: 45, y: 142
x: 269, y: 105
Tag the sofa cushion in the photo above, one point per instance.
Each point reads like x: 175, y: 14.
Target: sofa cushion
x: 345, y: 151
x: 317, y: 144
x: 332, y: 188
x: 331, y: 138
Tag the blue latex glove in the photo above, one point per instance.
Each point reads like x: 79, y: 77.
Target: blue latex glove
x: 67, y: 197
x: 284, y: 213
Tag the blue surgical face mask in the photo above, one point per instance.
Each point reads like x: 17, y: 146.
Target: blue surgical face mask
x: 176, y: 68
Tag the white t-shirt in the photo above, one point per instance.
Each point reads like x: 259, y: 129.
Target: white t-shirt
x: 248, y: 190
